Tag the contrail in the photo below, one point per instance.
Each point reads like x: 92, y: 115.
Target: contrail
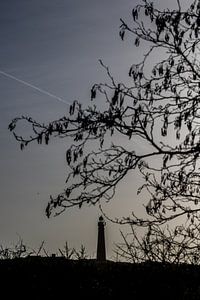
x: 34, y: 87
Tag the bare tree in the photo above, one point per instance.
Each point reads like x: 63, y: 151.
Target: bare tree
x: 67, y: 252
x: 159, y: 109
x: 19, y: 250
x: 164, y: 245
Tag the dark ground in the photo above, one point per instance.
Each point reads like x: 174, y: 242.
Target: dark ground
x: 58, y: 278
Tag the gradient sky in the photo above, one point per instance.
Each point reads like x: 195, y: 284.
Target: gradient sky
x: 55, y: 45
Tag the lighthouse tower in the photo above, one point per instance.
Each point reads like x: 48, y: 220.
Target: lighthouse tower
x: 101, y: 248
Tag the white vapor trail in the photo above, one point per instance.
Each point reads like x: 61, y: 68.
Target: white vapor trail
x: 34, y: 87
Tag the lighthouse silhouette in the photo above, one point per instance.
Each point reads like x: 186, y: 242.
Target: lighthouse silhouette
x: 101, y: 247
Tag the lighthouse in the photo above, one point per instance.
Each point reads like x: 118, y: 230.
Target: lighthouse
x: 101, y: 247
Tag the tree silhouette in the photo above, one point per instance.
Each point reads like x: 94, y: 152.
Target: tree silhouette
x: 159, y: 109
x: 165, y: 245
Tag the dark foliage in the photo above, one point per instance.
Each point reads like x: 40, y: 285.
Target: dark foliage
x: 58, y: 278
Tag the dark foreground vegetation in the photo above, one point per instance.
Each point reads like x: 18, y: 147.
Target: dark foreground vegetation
x: 59, y: 278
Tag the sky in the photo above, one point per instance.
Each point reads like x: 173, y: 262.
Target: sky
x: 49, y: 57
